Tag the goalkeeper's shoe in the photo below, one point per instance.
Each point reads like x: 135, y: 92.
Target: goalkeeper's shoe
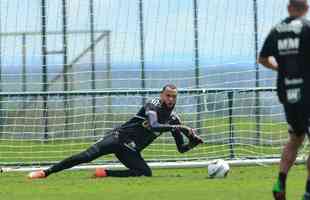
x: 100, y: 173
x: 37, y: 174
x: 278, y: 191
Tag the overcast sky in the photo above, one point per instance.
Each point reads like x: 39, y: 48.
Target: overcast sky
x: 226, y: 30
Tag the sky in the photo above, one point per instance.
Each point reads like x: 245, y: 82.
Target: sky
x: 226, y: 31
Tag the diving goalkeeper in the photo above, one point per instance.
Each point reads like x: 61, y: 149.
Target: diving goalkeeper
x: 128, y: 140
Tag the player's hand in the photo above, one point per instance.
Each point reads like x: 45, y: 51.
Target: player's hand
x: 196, y: 140
x: 192, y: 135
x: 195, y: 137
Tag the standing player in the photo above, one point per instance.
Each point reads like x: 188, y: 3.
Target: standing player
x: 127, y: 141
x: 287, y: 51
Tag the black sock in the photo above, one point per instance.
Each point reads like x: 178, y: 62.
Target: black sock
x: 282, y: 179
x: 123, y: 173
x: 119, y: 173
x: 47, y: 172
x: 308, y: 186
x: 128, y: 173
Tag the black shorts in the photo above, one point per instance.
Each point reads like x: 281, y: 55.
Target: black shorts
x: 298, y: 118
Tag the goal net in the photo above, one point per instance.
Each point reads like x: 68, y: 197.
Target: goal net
x: 71, y: 70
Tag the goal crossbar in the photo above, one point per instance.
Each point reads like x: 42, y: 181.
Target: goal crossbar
x: 135, y: 92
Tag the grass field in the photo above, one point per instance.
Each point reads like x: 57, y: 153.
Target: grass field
x: 243, y: 183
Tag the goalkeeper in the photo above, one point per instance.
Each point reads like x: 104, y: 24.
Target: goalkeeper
x: 287, y: 51
x: 128, y: 140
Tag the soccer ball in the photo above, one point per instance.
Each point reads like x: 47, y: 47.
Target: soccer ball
x: 218, y: 169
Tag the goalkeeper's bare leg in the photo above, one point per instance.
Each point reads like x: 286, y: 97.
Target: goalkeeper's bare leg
x: 288, y: 158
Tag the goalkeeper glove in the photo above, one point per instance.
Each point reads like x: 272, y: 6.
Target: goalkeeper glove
x: 194, y: 140
x: 191, y: 133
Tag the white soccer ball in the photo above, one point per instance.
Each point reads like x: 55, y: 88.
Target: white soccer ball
x: 218, y: 169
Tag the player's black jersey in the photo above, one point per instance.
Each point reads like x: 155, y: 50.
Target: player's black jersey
x: 136, y: 132
x: 289, y: 43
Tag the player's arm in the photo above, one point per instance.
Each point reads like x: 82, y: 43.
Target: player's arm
x: 266, y: 56
x: 179, y: 141
x: 155, y: 126
x: 193, y: 138
x: 269, y: 62
x: 176, y: 129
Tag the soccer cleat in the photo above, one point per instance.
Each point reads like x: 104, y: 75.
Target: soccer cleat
x: 37, y: 175
x: 100, y: 173
x: 278, y: 192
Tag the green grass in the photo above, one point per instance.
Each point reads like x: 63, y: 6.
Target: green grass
x: 243, y: 183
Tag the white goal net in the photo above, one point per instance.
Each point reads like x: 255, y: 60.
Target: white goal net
x: 70, y: 70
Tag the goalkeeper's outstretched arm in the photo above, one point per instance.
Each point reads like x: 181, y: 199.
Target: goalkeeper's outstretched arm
x: 179, y: 141
x: 176, y: 129
x: 190, y: 133
x: 193, y: 139
x: 155, y: 126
